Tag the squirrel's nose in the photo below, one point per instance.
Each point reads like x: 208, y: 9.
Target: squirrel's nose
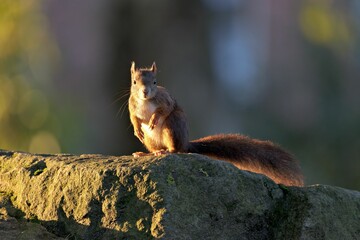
x: 146, y: 92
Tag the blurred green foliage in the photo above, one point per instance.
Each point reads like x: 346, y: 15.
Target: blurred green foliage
x: 26, y: 59
x: 323, y: 24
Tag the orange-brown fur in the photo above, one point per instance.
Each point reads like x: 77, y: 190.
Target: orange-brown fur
x: 160, y: 124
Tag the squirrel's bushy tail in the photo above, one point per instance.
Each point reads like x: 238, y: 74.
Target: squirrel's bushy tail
x: 253, y: 155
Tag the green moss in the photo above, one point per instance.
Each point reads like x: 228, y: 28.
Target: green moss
x: 39, y: 171
x: 284, y: 188
x: 204, y: 172
x: 170, y: 179
x: 36, y: 167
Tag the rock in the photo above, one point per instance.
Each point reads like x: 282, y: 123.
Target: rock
x: 178, y: 196
x: 12, y: 227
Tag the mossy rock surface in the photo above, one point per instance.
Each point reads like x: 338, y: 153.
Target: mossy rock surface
x: 178, y: 196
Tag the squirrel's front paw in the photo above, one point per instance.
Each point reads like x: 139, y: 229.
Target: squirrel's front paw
x: 153, y: 122
x: 140, y: 135
x: 140, y: 154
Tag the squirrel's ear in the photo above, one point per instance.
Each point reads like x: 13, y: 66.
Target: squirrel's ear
x: 132, y: 69
x: 153, y: 68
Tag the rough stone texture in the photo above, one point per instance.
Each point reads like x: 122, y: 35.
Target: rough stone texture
x: 183, y: 196
x: 14, y: 227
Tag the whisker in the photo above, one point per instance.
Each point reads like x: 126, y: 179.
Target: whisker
x: 119, y: 98
x: 126, y: 107
x: 127, y: 90
x: 122, y: 109
x: 121, y: 93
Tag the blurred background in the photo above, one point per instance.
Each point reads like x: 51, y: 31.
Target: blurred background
x: 286, y: 71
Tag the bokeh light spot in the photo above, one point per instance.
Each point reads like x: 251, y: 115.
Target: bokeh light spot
x: 44, y: 142
x: 316, y: 24
x: 324, y: 25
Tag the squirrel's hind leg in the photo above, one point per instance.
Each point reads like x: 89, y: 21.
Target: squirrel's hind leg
x: 175, y: 132
x: 172, y: 143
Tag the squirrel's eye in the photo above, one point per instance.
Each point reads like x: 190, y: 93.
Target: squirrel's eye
x: 154, y: 82
x: 134, y: 82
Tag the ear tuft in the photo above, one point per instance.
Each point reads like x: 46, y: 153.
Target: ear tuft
x: 132, y: 69
x: 153, y: 68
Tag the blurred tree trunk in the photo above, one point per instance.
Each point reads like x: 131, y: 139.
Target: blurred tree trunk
x: 172, y: 34
x: 81, y: 31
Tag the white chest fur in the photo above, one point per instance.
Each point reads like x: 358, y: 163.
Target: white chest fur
x: 144, y: 112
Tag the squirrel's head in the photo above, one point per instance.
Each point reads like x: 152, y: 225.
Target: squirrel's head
x: 143, y: 81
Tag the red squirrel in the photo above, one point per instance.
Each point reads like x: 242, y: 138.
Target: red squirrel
x: 161, y: 125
